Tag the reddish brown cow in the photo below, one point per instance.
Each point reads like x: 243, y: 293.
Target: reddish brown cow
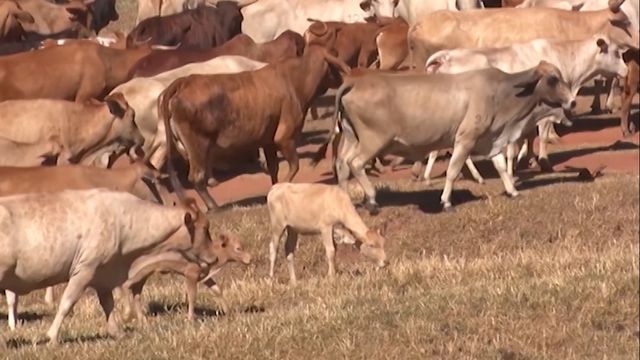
x: 631, y: 83
x: 201, y: 28
x: 229, y: 114
x: 391, y: 42
x: 82, y: 70
x: 289, y: 44
x: 511, y: 3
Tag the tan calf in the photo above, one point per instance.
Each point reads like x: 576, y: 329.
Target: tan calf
x: 318, y: 209
x: 226, y: 247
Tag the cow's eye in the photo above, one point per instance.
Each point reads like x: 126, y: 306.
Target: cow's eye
x: 553, y: 80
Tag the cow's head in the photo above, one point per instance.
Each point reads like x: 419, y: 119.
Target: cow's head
x: 124, y: 125
x: 12, y: 19
x: 546, y: 82
x: 228, y: 248
x: 609, y: 58
x: 230, y: 18
x: 372, y: 246
x: 379, y: 8
x: 102, y: 13
x: 202, y: 249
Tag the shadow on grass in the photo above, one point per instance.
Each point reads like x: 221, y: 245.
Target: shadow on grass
x: 161, y: 309
x: 428, y: 201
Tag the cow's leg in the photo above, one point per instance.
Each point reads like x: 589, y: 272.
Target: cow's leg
x: 12, y: 308
x: 500, y: 164
x: 511, y: 150
x: 630, y: 89
x: 330, y: 250
x: 426, y: 177
x: 357, y: 169
x: 346, y: 150
x: 474, y: 171
x: 289, y: 249
x: 105, y: 296
x: 48, y: 296
x: 460, y: 153
x: 524, y: 150
x: 613, y: 85
x: 191, y: 274
x: 288, y: 149
x: 271, y: 157
x: 75, y: 288
x: 277, y: 231
x: 397, y: 161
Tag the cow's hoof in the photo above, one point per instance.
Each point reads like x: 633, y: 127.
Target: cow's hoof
x: 372, y: 208
x: 513, y: 195
x: 446, y: 207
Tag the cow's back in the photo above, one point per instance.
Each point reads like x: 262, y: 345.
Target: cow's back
x: 30, y: 75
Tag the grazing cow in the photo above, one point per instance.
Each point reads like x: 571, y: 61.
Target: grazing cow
x: 33, y: 130
x: 631, y: 83
x: 318, y: 209
x: 295, y: 14
x: 12, y: 20
x: 226, y: 247
x: 94, y: 71
x: 579, y: 61
x: 490, y: 110
x: 51, y: 18
x: 142, y: 95
x: 503, y: 27
x: 285, y: 46
x: 201, y: 28
x: 92, y: 238
x: 223, y: 115
x: 412, y: 10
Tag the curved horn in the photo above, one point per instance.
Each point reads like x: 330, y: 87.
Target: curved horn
x: 165, y: 47
x: 138, y: 43
x: 614, y: 5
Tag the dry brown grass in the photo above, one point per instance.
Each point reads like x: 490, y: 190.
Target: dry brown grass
x: 553, y: 274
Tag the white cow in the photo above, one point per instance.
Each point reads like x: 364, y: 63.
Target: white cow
x: 412, y: 10
x: 266, y: 19
x: 142, y: 96
x: 89, y: 238
x: 579, y: 61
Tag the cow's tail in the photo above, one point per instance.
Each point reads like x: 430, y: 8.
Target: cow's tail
x: 346, y: 86
x: 165, y: 101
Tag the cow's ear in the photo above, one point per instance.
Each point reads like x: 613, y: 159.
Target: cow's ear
x: 365, y: 5
x: 76, y: 13
x: 190, y: 224
x: 529, y: 85
x: 23, y: 17
x: 115, y: 104
x: 603, y: 45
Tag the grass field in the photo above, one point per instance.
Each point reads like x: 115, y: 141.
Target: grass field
x: 553, y: 274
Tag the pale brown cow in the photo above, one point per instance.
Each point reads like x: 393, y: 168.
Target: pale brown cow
x: 631, y: 83
x: 83, y: 70
x: 51, y: 18
x: 212, y: 115
x: 226, y: 247
x: 67, y: 130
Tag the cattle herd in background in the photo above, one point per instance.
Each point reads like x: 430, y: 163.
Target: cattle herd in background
x: 205, y: 85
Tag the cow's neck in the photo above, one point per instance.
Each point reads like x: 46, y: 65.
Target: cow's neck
x: 576, y: 61
x: 593, y: 21
x: 88, y: 135
x: 352, y: 221
x: 517, y: 108
x: 122, y: 62
x: 306, y: 73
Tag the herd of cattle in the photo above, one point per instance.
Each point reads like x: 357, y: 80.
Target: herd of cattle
x: 207, y: 84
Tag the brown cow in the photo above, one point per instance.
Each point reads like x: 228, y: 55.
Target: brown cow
x: 226, y: 247
x: 12, y: 19
x: 83, y: 70
x: 201, y: 28
x: 32, y: 130
x: 631, y: 83
x: 391, y: 42
x: 289, y: 44
x: 230, y: 114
